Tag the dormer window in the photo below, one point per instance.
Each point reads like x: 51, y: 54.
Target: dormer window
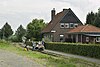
x: 71, y: 25
x: 66, y: 25
x: 75, y: 25
x: 62, y: 25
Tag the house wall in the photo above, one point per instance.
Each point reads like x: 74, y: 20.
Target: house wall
x: 82, y: 38
x: 48, y: 37
x: 68, y: 17
x: 60, y: 31
x: 91, y: 39
x: 74, y: 38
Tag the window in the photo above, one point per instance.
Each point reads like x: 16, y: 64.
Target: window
x: 61, y: 37
x: 62, y: 25
x: 53, y: 31
x: 66, y: 25
x: 98, y: 39
x: 75, y: 25
x: 71, y: 25
x: 87, y: 39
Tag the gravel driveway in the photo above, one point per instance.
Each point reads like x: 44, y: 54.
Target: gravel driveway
x: 8, y: 59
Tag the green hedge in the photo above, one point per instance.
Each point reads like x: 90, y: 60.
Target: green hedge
x: 79, y: 49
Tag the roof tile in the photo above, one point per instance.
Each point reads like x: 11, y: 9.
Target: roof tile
x: 53, y: 22
x: 86, y: 29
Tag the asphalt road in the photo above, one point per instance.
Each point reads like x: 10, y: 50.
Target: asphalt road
x: 8, y: 59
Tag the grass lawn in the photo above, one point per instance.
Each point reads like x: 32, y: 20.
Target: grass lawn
x: 46, y: 60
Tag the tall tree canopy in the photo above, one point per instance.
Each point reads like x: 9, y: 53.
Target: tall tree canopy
x: 93, y: 18
x: 0, y: 34
x: 20, y: 33
x: 34, y: 29
x: 90, y: 18
x: 6, y: 31
x: 97, y: 21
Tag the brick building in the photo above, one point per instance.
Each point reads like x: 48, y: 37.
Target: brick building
x: 60, y: 23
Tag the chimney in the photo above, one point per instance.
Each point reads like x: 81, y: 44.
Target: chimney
x: 53, y: 12
x: 65, y: 10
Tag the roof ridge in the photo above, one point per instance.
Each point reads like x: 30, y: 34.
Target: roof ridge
x: 58, y: 13
x: 92, y: 26
x: 84, y: 27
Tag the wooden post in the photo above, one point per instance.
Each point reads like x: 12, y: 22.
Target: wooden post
x: 76, y: 38
x: 72, y: 37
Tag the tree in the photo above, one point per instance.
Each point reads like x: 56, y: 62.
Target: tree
x: 20, y: 33
x: 97, y: 21
x: 0, y: 34
x: 99, y: 12
x: 34, y: 29
x: 93, y: 18
x: 13, y: 38
x: 90, y: 18
x: 6, y: 31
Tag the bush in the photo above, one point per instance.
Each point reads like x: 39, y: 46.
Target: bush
x: 29, y: 43
x: 13, y: 38
x: 79, y: 49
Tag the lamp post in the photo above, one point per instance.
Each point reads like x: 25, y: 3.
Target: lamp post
x: 53, y: 31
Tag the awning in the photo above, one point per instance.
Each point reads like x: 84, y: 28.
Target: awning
x: 97, y: 35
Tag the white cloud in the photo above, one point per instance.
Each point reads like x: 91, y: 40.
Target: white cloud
x: 18, y: 12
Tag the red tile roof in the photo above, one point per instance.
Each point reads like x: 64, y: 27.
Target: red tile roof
x: 53, y: 22
x: 85, y: 29
x: 58, y: 18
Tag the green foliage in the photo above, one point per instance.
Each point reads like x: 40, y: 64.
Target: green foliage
x: 84, y: 50
x: 29, y: 43
x: 0, y: 34
x: 34, y: 29
x: 93, y: 18
x: 20, y: 33
x: 13, y: 38
x: 45, y: 59
x: 4, y: 44
x: 6, y: 31
x: 97, y: 22
x: 90, y: 18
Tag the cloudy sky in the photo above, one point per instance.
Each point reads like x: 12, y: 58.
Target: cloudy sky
x: 17, y: 12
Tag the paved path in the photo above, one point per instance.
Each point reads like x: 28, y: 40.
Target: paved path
x: 8, y: 59
x: 75, y: 56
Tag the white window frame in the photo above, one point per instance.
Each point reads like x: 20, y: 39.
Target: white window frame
x: 53, y: 31
x: 61, y: 35
x: 87, y: 39
x: 61, y: 25
x: 70, y: 25
x: 97, y: 39
x: 75, y: 25
x: 66, y: 25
